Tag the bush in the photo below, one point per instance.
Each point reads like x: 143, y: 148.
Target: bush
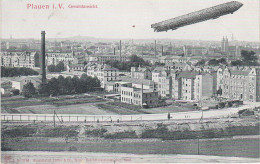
x: 221, y: 105
x: 96, y: 132
x: 28, y: 90
x: 15, y: 92
x: 160, y: 132
x: 19, y: 132
x: 120, y: 135
x: 60, y: 132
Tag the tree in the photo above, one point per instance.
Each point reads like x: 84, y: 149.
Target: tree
x: 222, y: 61
x: 200, y: 63
x: 69, y: 85
x: 56, y: 68
x: 29, y: 90
x: 10, y: 72
x: 43, y: 89
x: 236, y: 63
x: 213, y: 62
x: 159, y: 64
x: 15, y: 92
x: 60, y: 67
x: 53, y: 86
x: 51, y: 68
x: 249, y: 58
x: 76, y: 84
x: 135, y: 61
x: 62, y: 85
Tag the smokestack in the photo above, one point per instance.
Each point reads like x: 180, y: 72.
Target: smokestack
x: 155, y: 48
x: 42, y: 58
x: 142, y: 92
x: 120, y: 48
x: 114, y: 51
x: 162, y: 50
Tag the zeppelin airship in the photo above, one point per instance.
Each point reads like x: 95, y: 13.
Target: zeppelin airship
x: 197, y: 16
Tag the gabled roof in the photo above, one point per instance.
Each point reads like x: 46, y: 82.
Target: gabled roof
x: 158, y: 69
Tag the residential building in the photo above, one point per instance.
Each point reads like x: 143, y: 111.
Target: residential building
x: 19, y: 82
x: 203, y: 86
x: 75, y: 67
x: 138, y: 83
x: 20, y: 59
x: 103, y: 72
x: 184, y: 81
x: 105, y: 58
x: 165, y: 84
x: 139, y: 96
x: 155, y: 73
x: 141, y: 73
x: 241, y: 83
x: 54, y: 58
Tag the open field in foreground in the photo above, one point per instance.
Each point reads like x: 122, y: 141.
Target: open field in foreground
x: 81, y: 104
x: 25, y: 157
x: 239, y: 147
x: 221, y: 137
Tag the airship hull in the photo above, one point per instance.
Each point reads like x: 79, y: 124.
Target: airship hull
x: 198, y: 16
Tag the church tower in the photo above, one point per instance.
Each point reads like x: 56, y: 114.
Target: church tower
x: 224, y: 45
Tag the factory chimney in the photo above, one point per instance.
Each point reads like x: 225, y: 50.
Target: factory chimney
x: 162, y: 50
x: 120, y: 48
x: 114, y: 51
x: 42, y: 57
x: 155, y: 48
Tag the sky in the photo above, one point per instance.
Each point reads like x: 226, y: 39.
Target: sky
x: 116, y: 18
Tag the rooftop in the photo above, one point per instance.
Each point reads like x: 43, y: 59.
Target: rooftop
x: 137, y: 81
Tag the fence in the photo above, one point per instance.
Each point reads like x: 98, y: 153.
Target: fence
x: 114, y: 118
x: 68, y: 118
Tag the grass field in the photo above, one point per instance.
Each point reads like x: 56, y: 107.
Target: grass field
x: 239, y: 137
x: 81, y: 104
x: 243, y: 147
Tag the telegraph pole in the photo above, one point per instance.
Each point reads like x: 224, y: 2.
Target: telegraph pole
x: 198, y: 145
x: 54, y: 118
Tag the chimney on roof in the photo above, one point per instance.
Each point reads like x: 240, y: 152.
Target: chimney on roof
x: 42, y: 57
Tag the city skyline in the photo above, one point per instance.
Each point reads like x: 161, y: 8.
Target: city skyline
x: 105, y: 22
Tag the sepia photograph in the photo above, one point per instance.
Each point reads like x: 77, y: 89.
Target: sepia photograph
x: 130, y: 81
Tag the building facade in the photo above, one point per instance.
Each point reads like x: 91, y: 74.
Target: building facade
x: 239, y: 83
x: 20, y: 59
x: 141, y: 73
x: 139, y: 96
x: 103, y: 72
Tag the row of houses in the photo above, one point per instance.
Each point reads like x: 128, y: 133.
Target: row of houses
x: 239, y: 83
x: 194, y: 84
x: 31, y: 59
x: 22, y: 59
